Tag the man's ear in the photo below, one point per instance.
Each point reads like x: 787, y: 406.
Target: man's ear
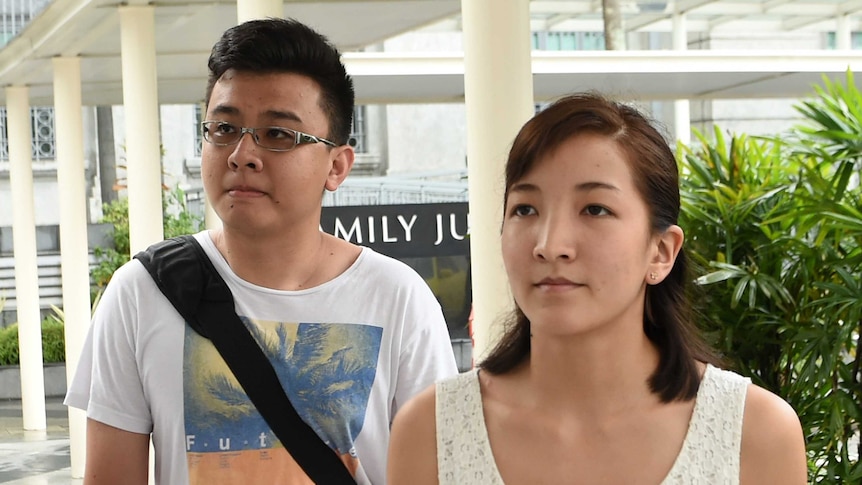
x: 667, y: 246
x: 342, y: 161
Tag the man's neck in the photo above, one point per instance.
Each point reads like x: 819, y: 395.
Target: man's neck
x: 282, y: 263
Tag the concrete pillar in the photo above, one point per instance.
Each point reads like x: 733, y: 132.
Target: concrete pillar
x: 143, y: 143
x: 245, y: 10
x: 843, y: 35
x: 107, y: 155
x: 498, y: 90
x: 143, y: 146
x: 211, y: 219
x: 681, y: 107
x: 24, y: 249
x: 258, y: 9
x: 74, y: 253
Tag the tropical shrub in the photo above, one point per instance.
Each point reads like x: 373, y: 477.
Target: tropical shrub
x: 177, y: 221
x: 109, y: 259
x: 775, y: 226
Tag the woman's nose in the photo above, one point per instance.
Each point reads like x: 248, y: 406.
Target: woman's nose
x: 555, y: 240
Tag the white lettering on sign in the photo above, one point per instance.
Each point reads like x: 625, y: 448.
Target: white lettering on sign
x: 453, y: 230
x: 385, y: 229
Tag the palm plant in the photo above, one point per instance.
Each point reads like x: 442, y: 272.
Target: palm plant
x: 775, y: 226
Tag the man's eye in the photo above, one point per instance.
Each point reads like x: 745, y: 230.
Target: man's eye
x: 274, y: 133
x: 224, y: 129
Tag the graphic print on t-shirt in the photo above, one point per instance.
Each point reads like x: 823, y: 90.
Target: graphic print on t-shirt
x: 327, y: 371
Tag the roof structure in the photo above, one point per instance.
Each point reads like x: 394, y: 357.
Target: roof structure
x: 186, y: 30
x: 703, y: 15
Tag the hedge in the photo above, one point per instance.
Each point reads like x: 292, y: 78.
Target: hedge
x: 53, y: 343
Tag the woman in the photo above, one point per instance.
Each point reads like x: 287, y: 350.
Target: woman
x: 600, y: 376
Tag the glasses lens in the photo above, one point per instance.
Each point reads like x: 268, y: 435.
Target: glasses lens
x: 221, y: 133
x: 275, y: 138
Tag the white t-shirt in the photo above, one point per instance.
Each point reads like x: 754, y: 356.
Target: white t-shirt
x: 349, y: 353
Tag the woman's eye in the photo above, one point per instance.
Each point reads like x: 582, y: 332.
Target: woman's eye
x: 523, y: 210
x: 596, y: 210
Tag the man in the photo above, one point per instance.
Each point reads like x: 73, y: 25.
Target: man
x: 351, y: 333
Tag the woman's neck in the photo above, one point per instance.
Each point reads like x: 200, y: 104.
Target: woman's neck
x: 591, y: 375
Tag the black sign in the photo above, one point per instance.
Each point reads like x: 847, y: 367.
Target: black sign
x: 402, y: 231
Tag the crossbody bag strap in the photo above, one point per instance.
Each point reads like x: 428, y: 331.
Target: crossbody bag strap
x: 187, y: 277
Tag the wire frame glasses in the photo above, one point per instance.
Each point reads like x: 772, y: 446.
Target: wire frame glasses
x: 274, y: 138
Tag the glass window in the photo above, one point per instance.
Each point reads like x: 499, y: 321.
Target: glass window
x: 855, y: 40
x: 15, y: 15
x: 358, y: 130
x: 197, y: 130
x: 568, y: 41
x: 41, y: 133
x: 592, y: 41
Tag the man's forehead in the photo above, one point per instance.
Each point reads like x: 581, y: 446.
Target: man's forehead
x: 276, y: 114
x: 285, y: 96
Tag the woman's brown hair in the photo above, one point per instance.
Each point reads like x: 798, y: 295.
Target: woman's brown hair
x: 667, y: 309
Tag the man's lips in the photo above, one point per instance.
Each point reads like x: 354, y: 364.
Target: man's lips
x: 244, y: 192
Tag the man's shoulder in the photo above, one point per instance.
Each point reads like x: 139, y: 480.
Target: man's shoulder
x: 130, y: 273
x: 372, y: 262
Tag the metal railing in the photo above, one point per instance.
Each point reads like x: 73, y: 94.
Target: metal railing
x: 413, y: 188
x: 16, y: 14
x: 14, y: 17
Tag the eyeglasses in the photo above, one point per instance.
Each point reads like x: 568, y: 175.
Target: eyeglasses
x: 273, y: 138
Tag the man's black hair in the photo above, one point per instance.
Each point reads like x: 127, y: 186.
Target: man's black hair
x: 276, y: 45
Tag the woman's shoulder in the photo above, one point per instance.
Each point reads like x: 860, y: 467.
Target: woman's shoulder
x: 413, y: 445
x: 420, y: 412
x: 773, y: 446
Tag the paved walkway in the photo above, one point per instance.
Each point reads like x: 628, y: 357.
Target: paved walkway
x: 34, y: 457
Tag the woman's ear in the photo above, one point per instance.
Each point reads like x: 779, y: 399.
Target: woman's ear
x: 342, y: 161
x: 667, y: 246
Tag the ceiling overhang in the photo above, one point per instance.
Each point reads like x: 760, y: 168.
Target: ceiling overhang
x: 186, y: 29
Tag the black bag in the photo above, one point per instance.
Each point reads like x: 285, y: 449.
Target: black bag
x: 187, y: 277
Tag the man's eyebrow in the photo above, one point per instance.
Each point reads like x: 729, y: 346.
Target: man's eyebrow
x: 283, y: 115
x: 223, y: 109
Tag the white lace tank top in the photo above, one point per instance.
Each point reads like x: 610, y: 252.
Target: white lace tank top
x: 709, y: 454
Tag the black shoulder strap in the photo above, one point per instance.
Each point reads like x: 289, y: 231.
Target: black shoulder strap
x: 187, y: 277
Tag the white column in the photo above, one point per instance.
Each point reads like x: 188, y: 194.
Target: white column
x: 24, y: 249
x: 843, y: 38
x: 211, y: 219
x: 143, y: 144
x: 258, y: 9
x: 681, y: 107
x: 498, y: 90
x: 74, y: 253
x: 245, y: 10
x: 141, y: 105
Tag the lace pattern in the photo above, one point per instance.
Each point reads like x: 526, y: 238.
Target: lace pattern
x: 463, y: 451
x: 709, y: 454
